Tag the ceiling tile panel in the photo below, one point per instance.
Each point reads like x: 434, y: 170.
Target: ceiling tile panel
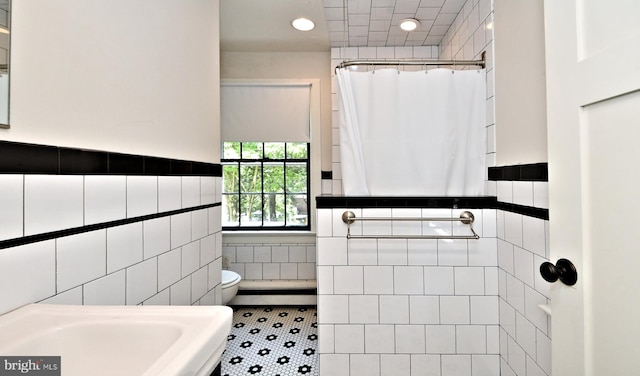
x: 414, y: 42
x: 427, y: 13
x: 359, y: 20
x: 383, y: 3
x: 327, y: 3
x: 407, y: 6
x: 334, y: 14
x: 396, y: 41
x: 381, y: 13
x: 445, y: 19
x: 372, y: 23
x: 358, y: 31
x: 425, y: 25
x: 397, y: 17
x: 376, y: 36
x: 358, y: 41
x: 452, y: 6
x: 335, y: 26
x: 432, y: 3
x: 379, y: 26
x: 358, y: 6
x: 432, y: 40
x: 417, y: 36
x: 439, y: 30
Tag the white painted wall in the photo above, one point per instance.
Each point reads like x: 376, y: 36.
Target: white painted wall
x: 520, y: 99
x: 136, y: 77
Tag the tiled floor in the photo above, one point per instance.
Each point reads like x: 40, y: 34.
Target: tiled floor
x: 272, y: 341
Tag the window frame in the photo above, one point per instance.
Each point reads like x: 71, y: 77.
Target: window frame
x: 262, y: 162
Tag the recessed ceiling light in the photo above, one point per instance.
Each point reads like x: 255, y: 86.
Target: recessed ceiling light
x: 303, y: 24
x: 409, y: 24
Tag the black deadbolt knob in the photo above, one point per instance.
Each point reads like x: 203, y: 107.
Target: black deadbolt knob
x: 564, y: 270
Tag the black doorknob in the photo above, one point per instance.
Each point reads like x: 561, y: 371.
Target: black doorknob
x: 564, y: 270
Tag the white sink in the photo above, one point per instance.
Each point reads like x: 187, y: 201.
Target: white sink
x: 120, y: 340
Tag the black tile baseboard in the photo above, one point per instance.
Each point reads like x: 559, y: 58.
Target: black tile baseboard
x: 278, y: 292
x: 21, y: 158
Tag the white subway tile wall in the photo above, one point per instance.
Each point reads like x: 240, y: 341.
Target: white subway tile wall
x: 271, y: 261
x: 525, y: 331
x: 80, y: 258
x: 169, y: 193
x: 142, y: 195
x: 104, y: 198
x: 47, y: 194
x: 175, y: 259
x: 11, y: 202
x: 27, y: 274
x: 407, y: 304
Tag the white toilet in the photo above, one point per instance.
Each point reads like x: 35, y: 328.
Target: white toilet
x: 230, y: 283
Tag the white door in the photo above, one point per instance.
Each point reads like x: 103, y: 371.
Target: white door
x: 593, y: 97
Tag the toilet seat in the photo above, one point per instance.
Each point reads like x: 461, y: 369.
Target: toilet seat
x: 229, y: 277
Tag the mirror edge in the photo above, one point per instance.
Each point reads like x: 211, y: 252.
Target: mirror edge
x: 8, y: 70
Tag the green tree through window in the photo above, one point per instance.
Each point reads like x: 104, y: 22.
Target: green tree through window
x: 265, y: 185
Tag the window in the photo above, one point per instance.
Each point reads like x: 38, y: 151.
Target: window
x: 270, y: 132
x: 265, y: 186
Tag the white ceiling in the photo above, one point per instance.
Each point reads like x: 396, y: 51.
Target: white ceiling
x: 265, y: 25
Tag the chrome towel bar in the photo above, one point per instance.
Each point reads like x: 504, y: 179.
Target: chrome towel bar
x: 466, y: 217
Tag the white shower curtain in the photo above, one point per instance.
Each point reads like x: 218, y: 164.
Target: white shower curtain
x: 412, y: 133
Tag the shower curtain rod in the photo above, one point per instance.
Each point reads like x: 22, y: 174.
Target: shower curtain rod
x: 421, y: 62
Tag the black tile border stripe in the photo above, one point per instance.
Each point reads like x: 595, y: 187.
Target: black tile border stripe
x: 326, y: 175
x: 94, y: 227
x: 483, y: 202
x: 333, y: 202
x: 524, y: 172
x: 22, y: 158
x: 528, y: 211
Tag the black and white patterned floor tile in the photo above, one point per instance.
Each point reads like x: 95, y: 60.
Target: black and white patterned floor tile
x: 272, y: 341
